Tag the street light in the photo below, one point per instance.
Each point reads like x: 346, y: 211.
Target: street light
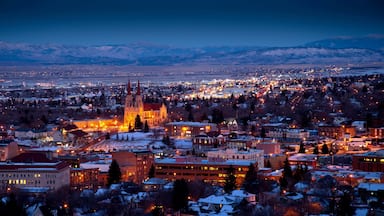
x: 350, y: 179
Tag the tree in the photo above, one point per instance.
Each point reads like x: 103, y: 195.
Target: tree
x: 166, y: 140
x: 190, y: 116
x: 217, y: 116
x: 268, y: 165
x: 302, y: 148
x: 180, y: 194
x: 263, y: 134
x: 241, y: 99
x: 114, y: 173
x: 151, y: 173
x: 138, y: 123
x: 285, y: 180
x: 250, y: 179
x: 316, y: 150
x: 188, y: 107
x: 287, y: 170
x: 230, y: 180
x: 324, y: 149
x: 344, y: 205
x: 146, y: 127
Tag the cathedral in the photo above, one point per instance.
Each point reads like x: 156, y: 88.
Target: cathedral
x: 154, y: 113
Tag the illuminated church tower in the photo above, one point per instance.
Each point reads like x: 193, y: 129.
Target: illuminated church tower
x: 153, y: 113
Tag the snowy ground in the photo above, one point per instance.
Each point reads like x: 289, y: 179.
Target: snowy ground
x: 128, y: 141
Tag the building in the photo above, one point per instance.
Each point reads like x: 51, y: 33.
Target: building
x: 134, y: 165
x: 376, y: 133
x: 188, y: 129
x: 269, y: 146
x: 256, y: 156
x: 370, y: 161
x: 288, y: 134
x: 33, y: 170
x: 152, y: 113
x: 154, y: 184
x: 303, y: 159
x: 8, y: 149
x: 84, y: 178
x: 336, y: 131
x: 240, y: 141
x: 102, y: 166
x: 212, y: 171
x: 205, y: 142
x: 31, y: 133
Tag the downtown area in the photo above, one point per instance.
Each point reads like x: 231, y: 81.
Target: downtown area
x: 268, y: 141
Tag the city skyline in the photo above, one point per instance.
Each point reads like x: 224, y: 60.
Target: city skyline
x: 188, y: 24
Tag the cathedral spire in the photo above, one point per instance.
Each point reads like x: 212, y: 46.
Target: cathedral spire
x: 138, y: 88
x: 129, y: 87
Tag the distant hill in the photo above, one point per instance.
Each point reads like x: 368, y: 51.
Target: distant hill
x: 339, y: 50
x: 374, y: 42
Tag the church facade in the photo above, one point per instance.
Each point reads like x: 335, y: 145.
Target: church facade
x: 152, y: 113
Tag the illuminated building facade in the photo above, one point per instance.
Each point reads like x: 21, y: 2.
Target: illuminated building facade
x: 257, y: 156
x: 33, y: 170
x: 153, y: 113
x: 134, y: 165
x: 188, y: 129
x: 303, y: 159
x: 213, y: 170
x: 370, y: 161
x: 377, y: 133
x: 205, y: 142
x: 336, y: 131
x: 269, y: 146
x: 84, y: 178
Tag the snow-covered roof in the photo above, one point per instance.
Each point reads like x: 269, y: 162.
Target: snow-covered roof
x: 102, y: 165
x: 191, y: 124
x: 371, y: 186
x: 218, y: 200
x: 155, y: 181
x: 193, y: 161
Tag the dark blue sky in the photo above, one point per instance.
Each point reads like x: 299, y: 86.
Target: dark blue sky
x: 188, y: 23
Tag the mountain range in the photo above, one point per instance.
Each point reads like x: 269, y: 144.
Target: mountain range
x: 329, y: 51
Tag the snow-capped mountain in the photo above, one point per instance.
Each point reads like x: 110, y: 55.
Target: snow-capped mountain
x: 339, y: 50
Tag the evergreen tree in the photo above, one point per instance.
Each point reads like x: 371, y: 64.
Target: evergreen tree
x: 302, y: 148
x: 151, y: 173
x: 114, y: 173
x: 138, y: 123
x: 230, y: 180
x: 180, y: 194
x: 263, y: 133
x: 146, y: 127
x: 190, y: 116
x: 166, y: 140
x: 250, y: 179
x: 283, y: 182
x: 253, y: 129
x: 268, y: 165
x: 316, y: 150
x: 287, y: 170
x: 324, y: 149
x: 188, y: 107
x: 217, y: 116
x: 344, y: 207
x: 107, y: 136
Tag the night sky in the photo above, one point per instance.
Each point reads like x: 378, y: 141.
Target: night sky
x: 188, y: 23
